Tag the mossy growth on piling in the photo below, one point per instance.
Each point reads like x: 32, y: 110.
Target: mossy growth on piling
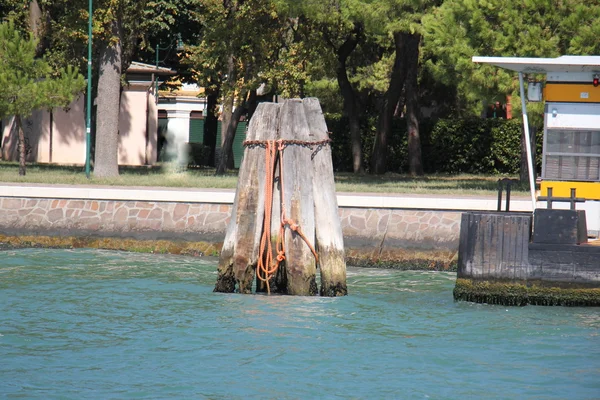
x: 523, y: 293
x: 133, y: 245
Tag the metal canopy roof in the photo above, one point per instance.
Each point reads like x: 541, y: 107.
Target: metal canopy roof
x: 544, y: 65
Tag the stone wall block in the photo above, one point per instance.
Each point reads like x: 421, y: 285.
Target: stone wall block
x: 155, y: 225
x: 434, y: 219
x: 94, y: 224
x: 191, y: 222
x: 349, y: 231
x: 120, y: 217
x: 396, y: 217
x: 39, y: 211
x: 372, y: 221
x: 55, y: 215
x: 215, y: 220
x: 180, y: 211
x: 35, y: 221
x: 156, y: 213
x: 382, y: 225
x: 143, y: 204
x: 411, y: 218
x: 168, y: 223
x: 23, y: 212
x: 358, y: 222
x: 77, y: 204
x: 143, y: 214
x: 12, y: 204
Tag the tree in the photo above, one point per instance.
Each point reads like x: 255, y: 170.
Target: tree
x: 458, y: 30
x: 28, y: 83
x: 239, y: 45
x: 343, y: 42
x: 400, y: 21
x: 338, y: 32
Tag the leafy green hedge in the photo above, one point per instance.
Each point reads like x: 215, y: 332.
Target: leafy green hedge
x: 453, y: 146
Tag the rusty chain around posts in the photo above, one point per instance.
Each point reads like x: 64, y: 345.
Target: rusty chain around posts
x: 265, y: 268
x: 315, y: 146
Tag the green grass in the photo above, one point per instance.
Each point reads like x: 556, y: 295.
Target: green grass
x: 205, y: 178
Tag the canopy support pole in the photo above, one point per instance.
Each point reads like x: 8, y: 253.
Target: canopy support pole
x: 530, y: 165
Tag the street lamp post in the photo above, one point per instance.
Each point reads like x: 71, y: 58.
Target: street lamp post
x: 156, y: 77
x: 88, y: 120
x: 158, y: 48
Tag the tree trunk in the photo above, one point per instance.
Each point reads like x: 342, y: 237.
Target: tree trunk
x: 227, y: 139
x: 22, y: 151
x: 226, y: 117
x: 211, y: 123
x: 107, y: 111
x: 390, y: 101
x: 38, y: 27
x: 228, y: 103
x: 252, y: 104
x: 351, y: 103
x: 415, y: 164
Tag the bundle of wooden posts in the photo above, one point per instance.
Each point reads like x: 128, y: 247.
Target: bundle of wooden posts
x: 284, y: 222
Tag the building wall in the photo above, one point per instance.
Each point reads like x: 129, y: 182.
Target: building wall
x: 152, y: 144
x: 60, y: 137
x: 68, y: 134
x: 37, y: 137
x: 134, y: 127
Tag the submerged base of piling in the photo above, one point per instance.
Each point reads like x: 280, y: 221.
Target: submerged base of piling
x: 525, y: 293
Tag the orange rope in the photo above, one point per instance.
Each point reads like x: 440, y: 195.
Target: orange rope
x: 266, y: 269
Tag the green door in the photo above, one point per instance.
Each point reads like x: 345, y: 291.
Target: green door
x: 238, y: 142
x: 196, y: 130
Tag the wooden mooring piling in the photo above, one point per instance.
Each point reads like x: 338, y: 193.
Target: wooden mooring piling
x: 520, y: 258
x: 284, y: 222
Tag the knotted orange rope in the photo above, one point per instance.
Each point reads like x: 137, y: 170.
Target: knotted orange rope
x: 266, y: 269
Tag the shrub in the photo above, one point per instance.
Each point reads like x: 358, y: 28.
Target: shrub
x: 452, y: 146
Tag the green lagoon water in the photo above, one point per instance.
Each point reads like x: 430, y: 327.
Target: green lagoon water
x: 89, y: 324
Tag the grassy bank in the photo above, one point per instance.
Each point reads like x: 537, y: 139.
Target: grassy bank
x: 205, y: 178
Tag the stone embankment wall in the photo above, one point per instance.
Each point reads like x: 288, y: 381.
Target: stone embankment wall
x: 372, y: 235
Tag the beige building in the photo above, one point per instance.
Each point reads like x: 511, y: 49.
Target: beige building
x: 58, y: 136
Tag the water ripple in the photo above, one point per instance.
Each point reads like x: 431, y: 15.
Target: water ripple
x: 112, y: 325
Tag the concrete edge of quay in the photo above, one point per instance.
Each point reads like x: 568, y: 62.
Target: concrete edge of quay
x: 226, y: 196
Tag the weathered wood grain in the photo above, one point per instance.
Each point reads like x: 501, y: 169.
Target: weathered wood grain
x: 239, y: 255
x: 328, y: 229
x: 303, y: 200
x: 298, y: 202
x: 494, y: 246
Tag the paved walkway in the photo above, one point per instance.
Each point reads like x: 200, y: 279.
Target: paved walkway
x: 226, y: 196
